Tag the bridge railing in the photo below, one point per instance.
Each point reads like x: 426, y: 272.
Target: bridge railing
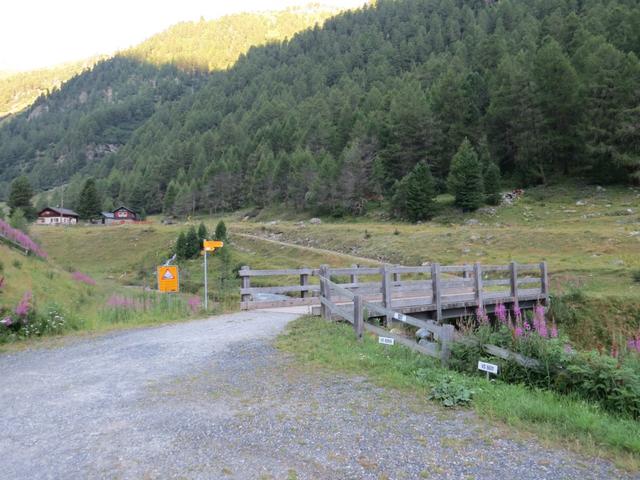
x: 444, y: 291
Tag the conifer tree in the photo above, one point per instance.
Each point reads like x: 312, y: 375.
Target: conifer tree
x: 192, y: 244
x: 202, y: 233
x: 221, y: 231
x: 465, y: 178
x: 89, y: 204
x: 181, y: 246
x: 492, y: 184
x: 421, y: 191
x: 20, y: 197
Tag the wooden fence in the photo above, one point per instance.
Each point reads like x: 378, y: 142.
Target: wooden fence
x: 439, y: 291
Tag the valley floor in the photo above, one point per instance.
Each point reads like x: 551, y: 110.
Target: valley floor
x: 214, y: 399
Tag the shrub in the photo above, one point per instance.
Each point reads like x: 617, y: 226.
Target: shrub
x: 451, y: 392
x: 17, y: 264
x: 613, y: 381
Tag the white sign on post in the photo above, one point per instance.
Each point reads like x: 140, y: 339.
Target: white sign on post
x: 386, y: 340
x: 488, y: 367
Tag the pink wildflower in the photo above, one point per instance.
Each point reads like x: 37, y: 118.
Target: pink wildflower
x: 118, y: 301
x: 517, y: 312
x: 527, y: 327
x: 501, y: 313
x: 21, y: 238
x: 567, y: 348
x: 6, y: 321
x: 82, y: 277
x: 194, y: 303
x: 23, y: 307
x: 518, y: 331
x: 482, y: 316
x: 554, y: 330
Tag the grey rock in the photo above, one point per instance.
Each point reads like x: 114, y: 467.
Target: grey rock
x: 315, y: 221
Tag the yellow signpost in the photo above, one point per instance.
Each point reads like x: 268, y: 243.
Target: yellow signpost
x: 211, y: 245
x: 208, y: 246
x: 168, y: 279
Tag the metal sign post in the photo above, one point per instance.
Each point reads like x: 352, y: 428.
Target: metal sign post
x: 209, y: 246
x: 206, y: 292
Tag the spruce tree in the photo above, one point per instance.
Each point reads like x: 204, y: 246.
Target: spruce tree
x: 181, y: 246
x: 170, y: 198
x: 89, y: 202
x: 465, y: 178
x: 221, y: 231
x: 202, y: 233
x: 492, y: 184
x: 20, y: 197
x: 420, y: 194
x: 192, y: 244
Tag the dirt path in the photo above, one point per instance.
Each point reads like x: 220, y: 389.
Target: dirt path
x: 366, y: 260
x: 213, y: 399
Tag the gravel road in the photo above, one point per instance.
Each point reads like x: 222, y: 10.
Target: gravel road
x: 213, y: 399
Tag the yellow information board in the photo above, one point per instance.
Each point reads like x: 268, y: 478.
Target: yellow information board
x: 211, y: 245
x: 168, y: 279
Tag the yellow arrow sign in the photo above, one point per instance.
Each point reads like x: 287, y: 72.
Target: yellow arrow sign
x: 211, y: 245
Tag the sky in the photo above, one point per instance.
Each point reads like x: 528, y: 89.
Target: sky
x: 42, y: 33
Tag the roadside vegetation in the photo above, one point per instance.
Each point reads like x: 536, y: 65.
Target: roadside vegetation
x: 574, y: 422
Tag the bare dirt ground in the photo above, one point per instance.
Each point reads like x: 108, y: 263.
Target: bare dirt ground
x: 213, y: 399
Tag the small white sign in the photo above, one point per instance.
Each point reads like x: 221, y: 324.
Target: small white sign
x: 488, y: 367
x: 399, y: 316
x: 386, y: 340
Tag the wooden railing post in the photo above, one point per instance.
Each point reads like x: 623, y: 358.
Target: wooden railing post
x: 465, y: 273
x: 246, y: 283
x: 325, y: 292
x: 304, y: 281
x: 358, y: 320
x: 435, y: 289
x: 353, y: 278
x: 386, y: 292
x: 513, y: 269
x: 447, y: 333
x: 477, y: 273
x: 544, y: 282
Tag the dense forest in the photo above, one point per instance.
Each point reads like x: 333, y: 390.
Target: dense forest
x: 215, y: 44
x: 69, y: 130
x: 339, y: 115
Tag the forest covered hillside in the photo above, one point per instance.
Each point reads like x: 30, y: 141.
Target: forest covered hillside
x: 18, y: 90
x: 72, y: 128
x: 339, y: 115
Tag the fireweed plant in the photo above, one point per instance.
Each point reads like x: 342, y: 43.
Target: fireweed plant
x: 21, y: 238
x: 148, y: 305
x: 610, y: 378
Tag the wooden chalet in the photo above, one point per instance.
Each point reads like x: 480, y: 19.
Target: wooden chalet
x: 57, y: 216
x: 124, y: 215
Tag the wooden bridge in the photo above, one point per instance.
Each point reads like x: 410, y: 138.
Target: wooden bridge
x: 435, y: 292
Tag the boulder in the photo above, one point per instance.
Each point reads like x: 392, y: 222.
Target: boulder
x: 315, y: 221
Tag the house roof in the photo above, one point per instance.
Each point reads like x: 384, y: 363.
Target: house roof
x: 107, y: 214
x: 60, y: 211
x: 123, y: 207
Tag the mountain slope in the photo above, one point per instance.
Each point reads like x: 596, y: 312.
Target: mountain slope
x: 93, y: 114
x: 332, y: 118
x: 215, y: 44
x: 19, y: 90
